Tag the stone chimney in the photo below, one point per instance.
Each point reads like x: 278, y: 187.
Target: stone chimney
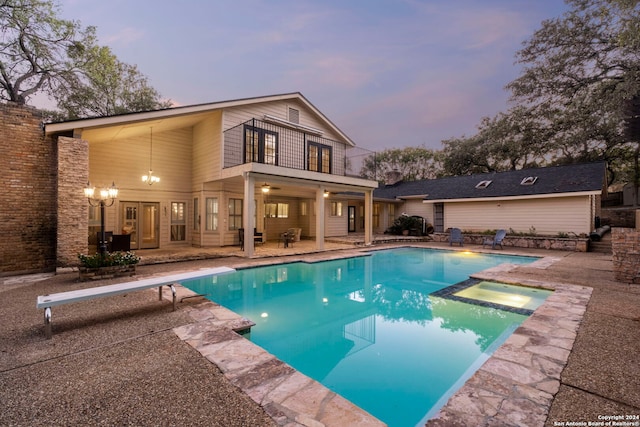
x: 392, y: 177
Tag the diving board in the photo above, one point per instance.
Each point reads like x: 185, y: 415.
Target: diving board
x: 52, y: 300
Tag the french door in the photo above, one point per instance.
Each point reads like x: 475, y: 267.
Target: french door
x: 142, y: 221
x: 438, y: 217
x: 260, y: 145
x: 352, y: 218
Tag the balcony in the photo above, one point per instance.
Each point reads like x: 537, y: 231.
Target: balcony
x: 277, y: 145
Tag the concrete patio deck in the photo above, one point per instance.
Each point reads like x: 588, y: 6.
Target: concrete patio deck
x: 121, y: 360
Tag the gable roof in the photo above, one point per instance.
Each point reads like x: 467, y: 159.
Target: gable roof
x: 123, y: 119
x: 579, y: 178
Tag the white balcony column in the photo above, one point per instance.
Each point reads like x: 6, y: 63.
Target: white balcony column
x: 368, y: 217
x: 248, y: 213
x: 320, y: 215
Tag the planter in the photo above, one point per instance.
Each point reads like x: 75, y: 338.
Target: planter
x: 97, y: 273
x: 575, y: 244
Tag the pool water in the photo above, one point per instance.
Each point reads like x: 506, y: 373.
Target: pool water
x: 503, y: 294
x: 368, y: 328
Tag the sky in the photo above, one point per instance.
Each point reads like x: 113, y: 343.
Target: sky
x: 388, y: 73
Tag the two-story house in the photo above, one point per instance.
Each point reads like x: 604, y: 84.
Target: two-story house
x: 265, y: 164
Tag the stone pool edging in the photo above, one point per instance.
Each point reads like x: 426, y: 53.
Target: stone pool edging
x: 289, y: 397
x: 517, y: 384
x: 514, y: 387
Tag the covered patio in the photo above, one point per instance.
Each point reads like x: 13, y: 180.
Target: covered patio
x: 271, y: 248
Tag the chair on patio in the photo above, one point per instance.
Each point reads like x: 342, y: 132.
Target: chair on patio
x: 287, y: 238
x: 257, y: 237
x: 496, y: 240
x: 455, y: 236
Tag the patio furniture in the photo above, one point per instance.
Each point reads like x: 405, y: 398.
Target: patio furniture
x: 257, y: 237
x: 288, y: 237
x: 455, y: 236
x: 48, y: 301
x: 496, y: 240
x: 120, y: 242
x: 296, y: 232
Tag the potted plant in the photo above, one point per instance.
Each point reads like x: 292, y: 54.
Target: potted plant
x: 107, y: 265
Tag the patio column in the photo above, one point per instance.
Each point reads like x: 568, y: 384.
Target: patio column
x: 320, y: 213
x: 368, y: 217
x: 248, y: 210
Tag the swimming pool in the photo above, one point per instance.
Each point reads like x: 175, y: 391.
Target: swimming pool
x: 368, y: 327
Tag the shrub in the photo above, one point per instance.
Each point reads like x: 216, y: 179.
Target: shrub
x: 108, y: 259
x: 405, y: 222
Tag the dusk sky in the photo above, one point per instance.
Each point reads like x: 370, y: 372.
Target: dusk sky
x: 389, y: 73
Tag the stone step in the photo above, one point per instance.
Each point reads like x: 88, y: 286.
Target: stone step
x: 600, y: 247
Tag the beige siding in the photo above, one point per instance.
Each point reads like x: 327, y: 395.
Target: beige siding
x: 275, y: 226
x: 417, y: 207
x: 238, y: 115
x: 335, y: 225
x: 289, y: 147
x: 548, y: 216
x: 121, y: 158
x: 207, y: 150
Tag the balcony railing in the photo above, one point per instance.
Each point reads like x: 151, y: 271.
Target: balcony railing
x: 292, y: 149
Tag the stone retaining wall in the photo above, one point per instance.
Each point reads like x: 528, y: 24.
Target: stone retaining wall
x: 625, y: 245
x: 574, y: 244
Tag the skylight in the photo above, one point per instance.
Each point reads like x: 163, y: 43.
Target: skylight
x: 484, y: 184
x: 529, y: 180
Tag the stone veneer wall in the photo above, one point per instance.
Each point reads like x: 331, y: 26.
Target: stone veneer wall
x: 577, y: 244
x: 28, y: 182
x: 625, y: 245
x: 73, y: 209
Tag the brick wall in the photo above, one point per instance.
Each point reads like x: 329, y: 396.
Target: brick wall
x: 619, y: 217
x: 625, y: 245
x: 73, y: 213
x: 28, y: 201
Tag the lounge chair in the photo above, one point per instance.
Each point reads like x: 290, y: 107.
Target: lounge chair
x: 456, y: 237
x: 496, y: 240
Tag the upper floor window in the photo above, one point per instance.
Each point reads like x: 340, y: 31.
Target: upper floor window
x: 260, y: 145
x: 319, y: 158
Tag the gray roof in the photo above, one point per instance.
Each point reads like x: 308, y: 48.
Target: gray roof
x: 586, y: 177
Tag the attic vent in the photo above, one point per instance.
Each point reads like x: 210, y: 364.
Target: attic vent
x: 484, y: 184
x: 530, y: 180
x: 294, y: 115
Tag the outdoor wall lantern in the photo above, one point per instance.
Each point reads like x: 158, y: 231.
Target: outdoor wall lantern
x: 104, y: 198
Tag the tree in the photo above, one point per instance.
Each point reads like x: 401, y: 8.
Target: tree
x: 579, y: 70
x: 413, y: 163
x: 36, y: 48
x: 508, y: 141
x: 105, y: 86
x: 41, y: 53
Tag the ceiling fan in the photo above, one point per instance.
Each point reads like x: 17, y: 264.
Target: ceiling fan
x: 266, y: 188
